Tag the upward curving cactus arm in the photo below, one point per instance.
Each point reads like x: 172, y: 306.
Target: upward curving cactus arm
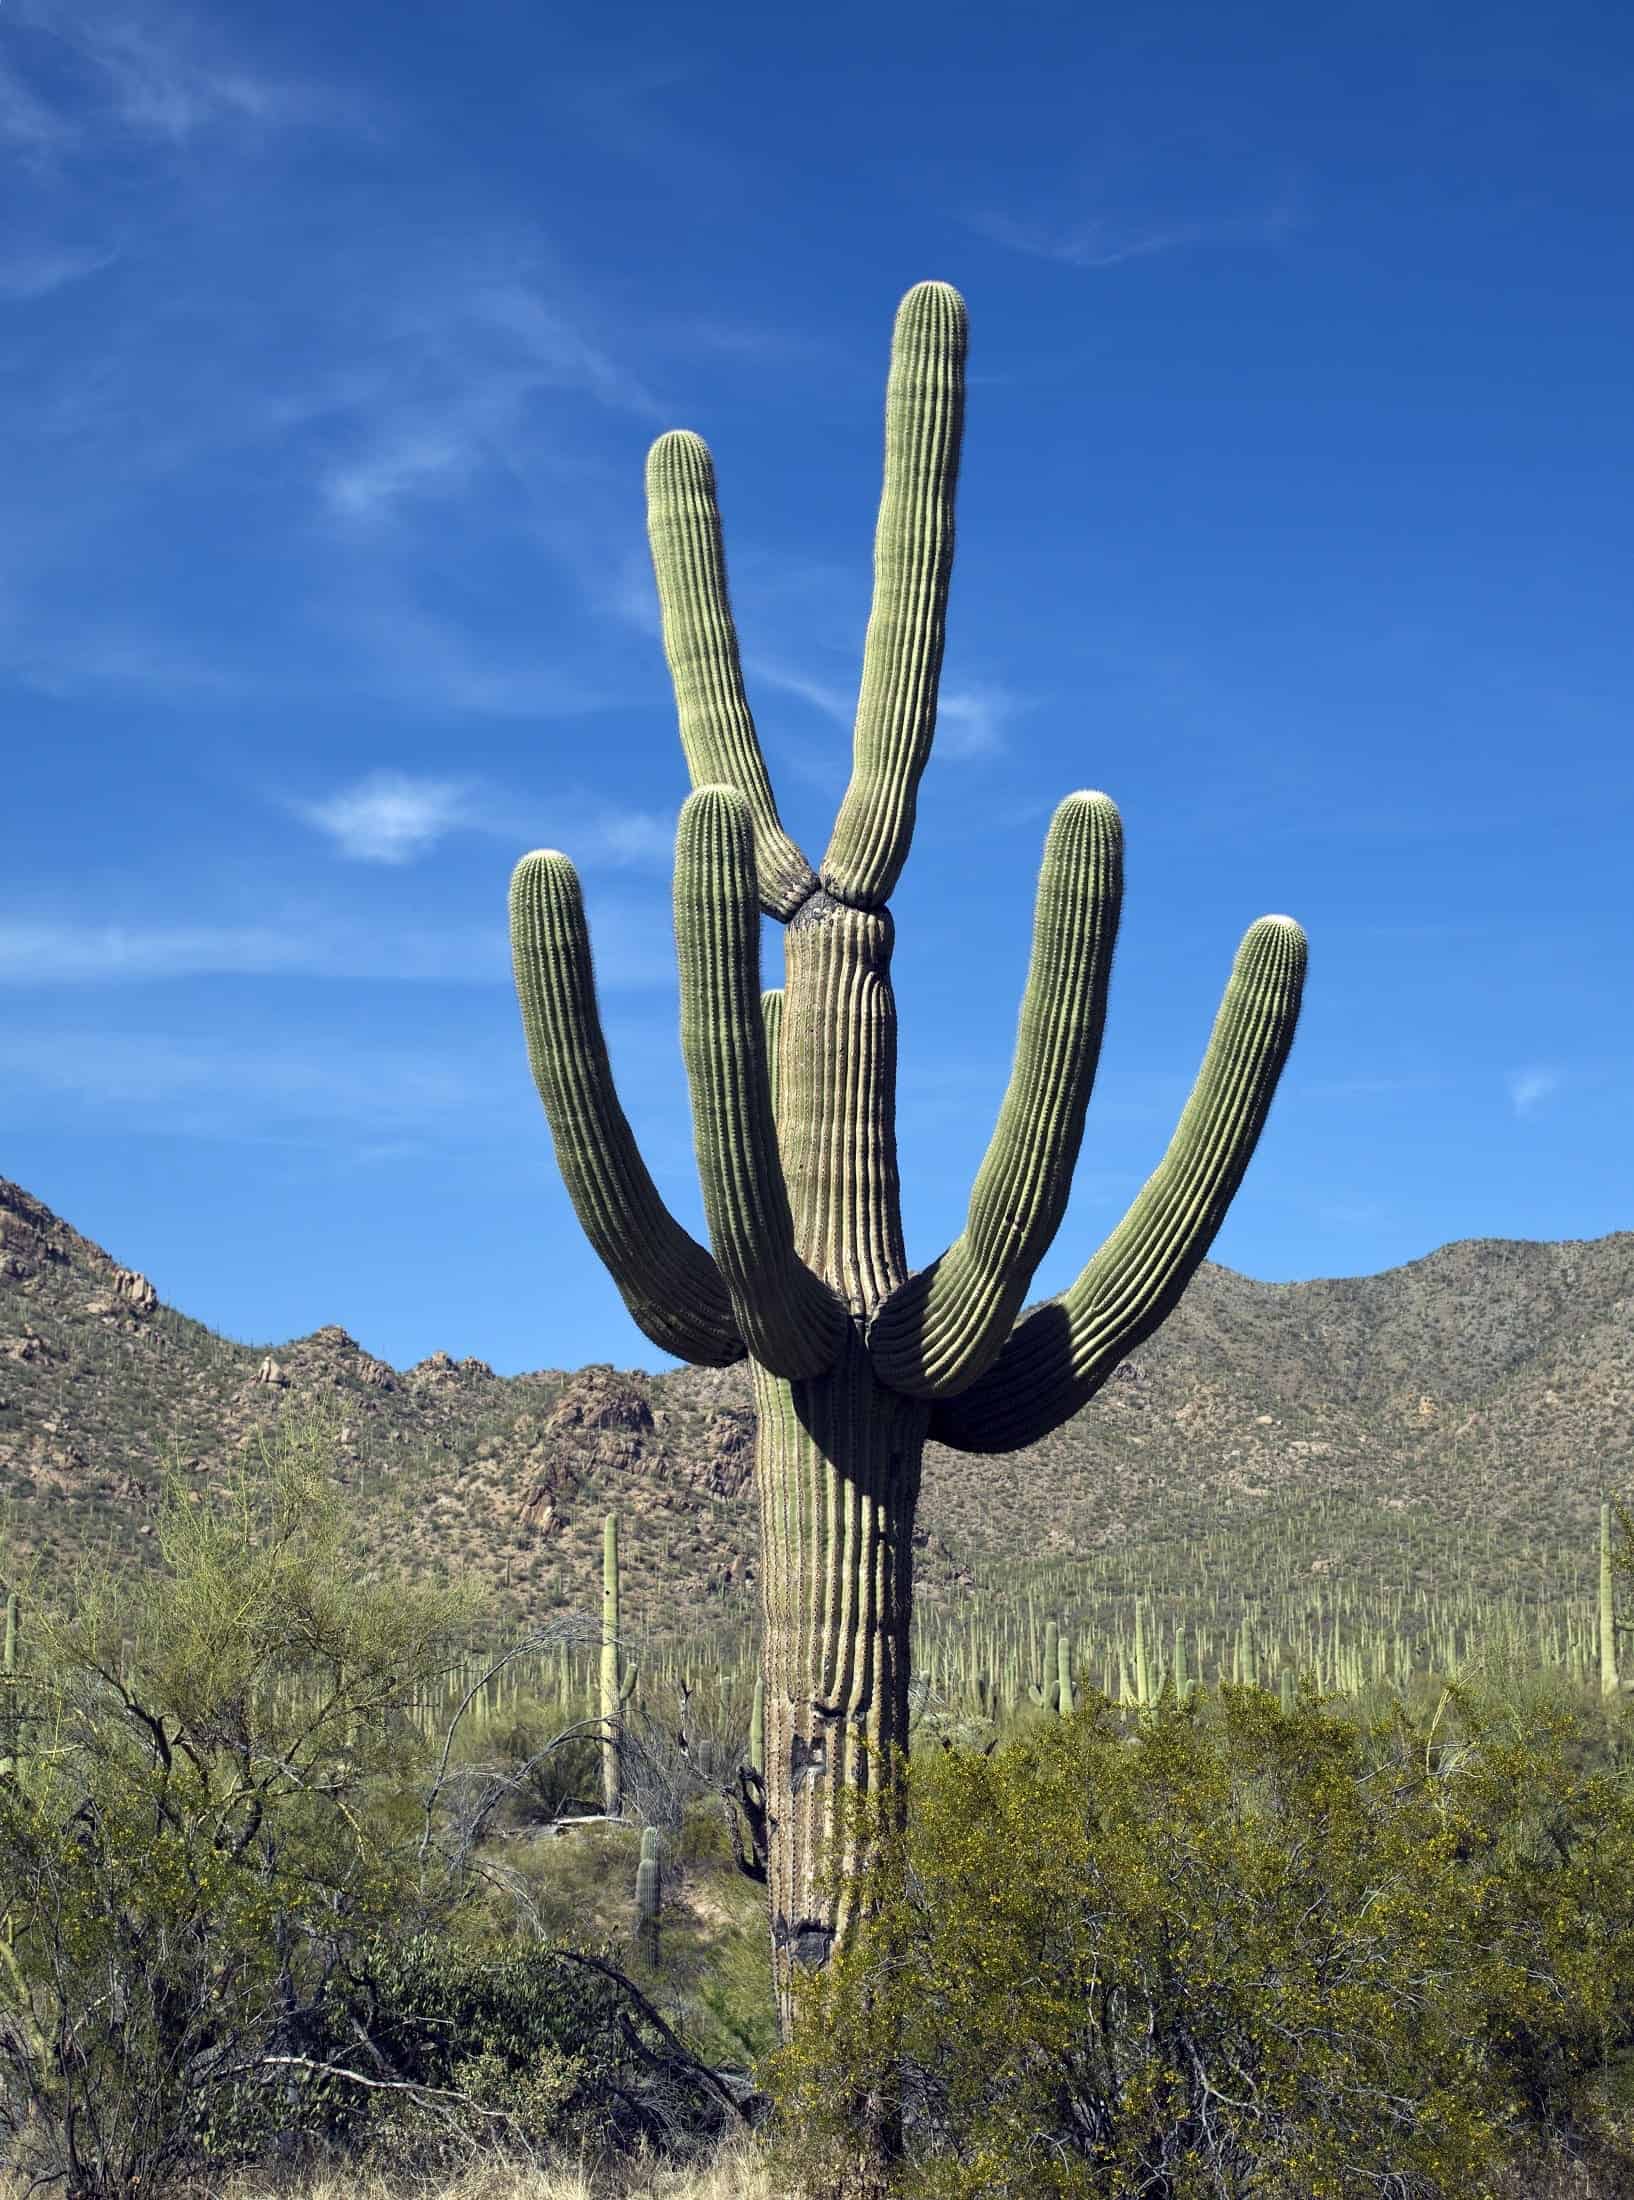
x: 791, y: 1321
x: 701, y: 643
x: 913, y: 558
x: 1060, y: 1354
x: 942, y: 1329
x: 667, y: 1280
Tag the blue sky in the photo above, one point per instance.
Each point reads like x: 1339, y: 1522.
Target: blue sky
x: 1294, y: 514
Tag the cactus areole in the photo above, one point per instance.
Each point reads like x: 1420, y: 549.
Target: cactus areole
x: 856, y: 1360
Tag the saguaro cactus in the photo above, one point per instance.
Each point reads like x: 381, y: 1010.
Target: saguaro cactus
x: 1608, y: 1606
x: 617, y: 1678
x: 1046, y: 1690
x: 855, y: 1359
x: 649, y: 1895
x: 10, y: 1714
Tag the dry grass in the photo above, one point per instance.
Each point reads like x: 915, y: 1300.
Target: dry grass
x: 737, y: 2172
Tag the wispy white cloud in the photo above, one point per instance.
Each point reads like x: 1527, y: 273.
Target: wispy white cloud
x: 425, y: 663
x: 636, y: 837
x: 823, y: 695
x: 971, y: 716
x: 465, y: 365
x: 393, y: 817
x: 53, y: 653
x: 76, y: 952
x: 631, y: 944
x: 424, y: 458
x: 27, y: 123
x: 26, y: 275
x: 240, y: 1087
x: 558, y: 350
x: 162, y: 76
x: 971, y: 719
x: 389, y: 817
x: 1106, y: 240
x: 1529, y: 1087
x: 625, y: 590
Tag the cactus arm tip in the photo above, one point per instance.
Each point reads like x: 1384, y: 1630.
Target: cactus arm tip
x: 941, y: 1330
x: 913, y: 559
x: 668, y: 1281
x: 1061, y: 1353
x: 717, y: 729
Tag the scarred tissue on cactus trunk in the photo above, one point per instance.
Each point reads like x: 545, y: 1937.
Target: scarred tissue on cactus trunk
x: 855, y: 1358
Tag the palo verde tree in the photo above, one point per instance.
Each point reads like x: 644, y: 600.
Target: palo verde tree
x: 855, y: 1359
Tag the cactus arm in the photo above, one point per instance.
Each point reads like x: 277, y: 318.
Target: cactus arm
x: 1060, y: 1354
x: 913, y: 556
x: 942, y: 1329
x: 771, y: 1021
x: 717, y: 731
x: 667, y: 1280
x: 791, y: 1321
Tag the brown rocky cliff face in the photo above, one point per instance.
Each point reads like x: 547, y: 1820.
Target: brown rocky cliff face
x: 1521, y: 1353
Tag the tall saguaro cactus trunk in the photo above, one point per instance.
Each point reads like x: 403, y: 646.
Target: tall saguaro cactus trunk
x: 857, y: 1359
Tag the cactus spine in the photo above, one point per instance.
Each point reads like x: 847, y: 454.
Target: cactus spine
x: 855, y: 1359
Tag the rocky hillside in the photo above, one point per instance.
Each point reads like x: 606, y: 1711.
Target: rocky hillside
x: 1482, y: 1394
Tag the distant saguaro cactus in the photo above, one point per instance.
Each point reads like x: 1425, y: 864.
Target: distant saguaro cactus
x: 855, y: 1359
x: 649, y: 1894
x: 10, y: 1710
x: 1046, y: 1690
x: 617, y: 1678
x: 1608, y: 1607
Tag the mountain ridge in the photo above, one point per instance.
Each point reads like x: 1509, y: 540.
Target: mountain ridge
x: 1484, y: 1389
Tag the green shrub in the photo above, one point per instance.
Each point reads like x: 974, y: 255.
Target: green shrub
x: 1236, y: 1952
x: 544, y: 2047
x: 240, y: 1900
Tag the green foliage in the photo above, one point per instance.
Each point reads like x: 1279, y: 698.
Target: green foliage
x: 542, y: 2047
x: 1234, y: 1951
x: 198, y: 1836
x: 240, y: 1895
x: 548, y: 1761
